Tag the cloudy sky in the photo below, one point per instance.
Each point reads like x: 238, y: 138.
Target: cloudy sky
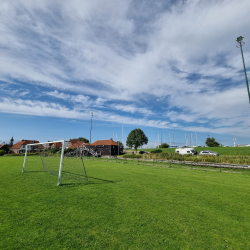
x: 167, y: 67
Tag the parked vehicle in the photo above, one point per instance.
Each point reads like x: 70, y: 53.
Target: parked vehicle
x: 143, y: 152
x: 185, y: 151
x: 208, y: 152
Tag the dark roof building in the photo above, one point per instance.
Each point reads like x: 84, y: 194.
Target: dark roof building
x: 106, y: 147
x: 5, y: 147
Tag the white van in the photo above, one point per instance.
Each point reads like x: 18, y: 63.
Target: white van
x: 185, y: 151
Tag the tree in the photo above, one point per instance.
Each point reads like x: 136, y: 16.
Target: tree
x: 136, y: 138
x: 211, y: 142
x: 54, y: 150
x: 164, y: 145
x: 82, y: 139
x: 121, y: 146
x: 66, y: 150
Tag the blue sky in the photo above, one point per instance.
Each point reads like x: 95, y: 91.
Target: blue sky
x: 168, y: 67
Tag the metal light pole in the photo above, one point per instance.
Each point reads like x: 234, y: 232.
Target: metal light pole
x: 240, y: 43
x: 90, y: 132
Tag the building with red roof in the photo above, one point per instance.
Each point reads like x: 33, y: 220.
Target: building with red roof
x: 106, y: 147
x: 20, y: 147
x: 75, y: 144
x: 53, y: 145
x: 100, y: 147
x: 5, y: 147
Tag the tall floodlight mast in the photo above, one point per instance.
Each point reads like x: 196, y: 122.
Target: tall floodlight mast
x: 240, y: 43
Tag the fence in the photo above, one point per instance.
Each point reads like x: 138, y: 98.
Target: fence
x: 169, y: 163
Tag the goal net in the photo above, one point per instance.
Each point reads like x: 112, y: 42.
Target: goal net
x: 50, y: 156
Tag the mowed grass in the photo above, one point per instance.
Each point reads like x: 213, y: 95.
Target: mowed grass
x: 122, y: 206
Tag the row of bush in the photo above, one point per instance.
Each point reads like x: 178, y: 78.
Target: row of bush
x: 132, y: 156
x: 244, y: 160
x: 52, y: 151
x: 230, y: 159
x: 19, y: 154
x: 2, y: 152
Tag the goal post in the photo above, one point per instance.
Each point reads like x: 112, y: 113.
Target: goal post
x: 61, y: 162
x: 54, y: 163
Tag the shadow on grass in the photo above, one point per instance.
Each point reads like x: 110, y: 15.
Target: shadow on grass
x: 101, y: 179
x: 156, y: 151
x: 75, y: 179
x: 34, y: 171
x: 95, y: 181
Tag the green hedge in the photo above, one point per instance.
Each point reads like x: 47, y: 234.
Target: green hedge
x: 233, y: 159
x: 2, y: 152
x: 21, y: 154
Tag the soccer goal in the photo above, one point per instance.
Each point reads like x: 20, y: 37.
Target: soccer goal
x: 50, y: 157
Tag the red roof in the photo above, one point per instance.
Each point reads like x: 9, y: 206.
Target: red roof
x: 57, y: 144
x: 4, y: 146
x: 74, y: 143
x: 104, y: 142
x: 23, y: 142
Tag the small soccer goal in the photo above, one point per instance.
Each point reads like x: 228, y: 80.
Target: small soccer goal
x: 50, y: 157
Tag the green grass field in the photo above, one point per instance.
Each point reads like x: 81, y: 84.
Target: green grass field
x: 123, y: 206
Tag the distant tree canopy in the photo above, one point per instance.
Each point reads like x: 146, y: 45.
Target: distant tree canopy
x: 211, y: 142
x: 68, y: 150
x: 54, y: 150
x: 5, y: 148
x: 164, y: 145
x: 82, y: 139
x: 121, y: 146
x: 136, y: 138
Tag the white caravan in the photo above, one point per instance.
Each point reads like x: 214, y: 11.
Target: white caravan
x: 185, y: 151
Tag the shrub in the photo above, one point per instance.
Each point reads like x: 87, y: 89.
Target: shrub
x: 2, y: 152
x: 54, y: 150
x: 14, y: 154
x: 156, y: 151
x: 132, y: 156
x: 66, y: 150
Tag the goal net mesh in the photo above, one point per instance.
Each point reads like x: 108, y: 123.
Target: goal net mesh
x: 48, y: 156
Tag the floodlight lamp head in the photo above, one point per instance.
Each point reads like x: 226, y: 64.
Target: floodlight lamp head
x: 239, y: 41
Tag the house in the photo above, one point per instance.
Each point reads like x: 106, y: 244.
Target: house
x: 20, y: 147
x: 5, y: 147
x: 106, y: 147
x: 100, y: 147
x: 76, y: 143
x: 53, y: 145
x: 56, y: 145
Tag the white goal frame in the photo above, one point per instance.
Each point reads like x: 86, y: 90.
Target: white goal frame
x: 61, y: 158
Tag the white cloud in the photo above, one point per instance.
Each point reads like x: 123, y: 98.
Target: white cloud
x: 132, y: 109
x: 94, y: 50
x: 115, y: 52
x: 38, y: 108
x: 84, y: 100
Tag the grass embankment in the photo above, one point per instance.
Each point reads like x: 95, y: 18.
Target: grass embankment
x: 123, y: 206
x: 231, y: 155
x: 244, y: 160
x: 243, y: 151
